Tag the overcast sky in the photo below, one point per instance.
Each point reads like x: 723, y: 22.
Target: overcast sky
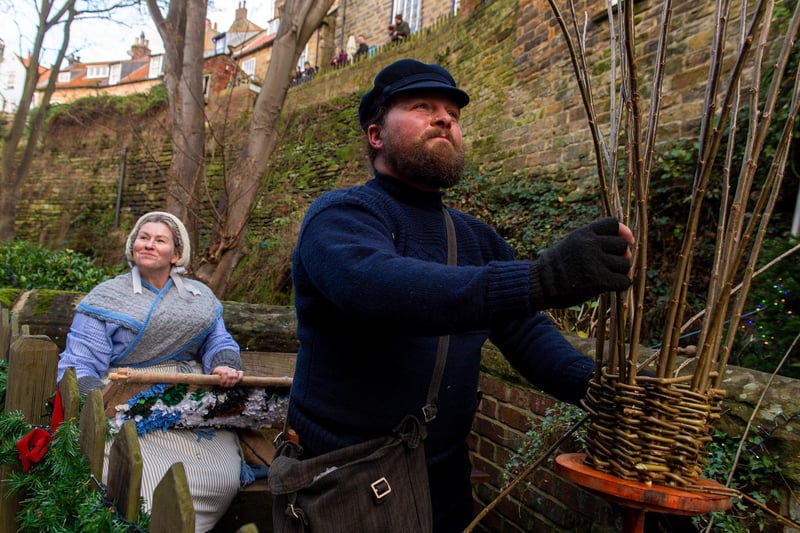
x: 103, y: 40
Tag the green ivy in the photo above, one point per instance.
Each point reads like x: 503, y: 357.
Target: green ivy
x: 772, y: 317
x: 530, y: 213
x: 757, y: 475
x: 539, y: 438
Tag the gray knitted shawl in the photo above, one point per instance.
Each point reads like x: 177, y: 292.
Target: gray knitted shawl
x: 166, y: 325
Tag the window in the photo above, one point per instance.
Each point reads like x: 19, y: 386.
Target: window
x: 410, y: 9
x: 10, y: 79
x: 249, y: 67
x: 64, y: 77
x: 97, y: 71
x: 156, y: 66
x: 219, y: 44
x: 115, y: 74
x: 206, y: 85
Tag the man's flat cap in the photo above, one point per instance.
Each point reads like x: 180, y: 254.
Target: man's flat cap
x: 403, y: 76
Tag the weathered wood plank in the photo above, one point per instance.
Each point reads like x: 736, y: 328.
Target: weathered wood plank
x: 276, y: 364
x: 125, y: 471
x: 70, y: 398
x: 93, y: 432
x: 172, y: 510
x: 32, y: 367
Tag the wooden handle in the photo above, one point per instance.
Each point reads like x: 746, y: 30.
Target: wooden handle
x: 132, y: 376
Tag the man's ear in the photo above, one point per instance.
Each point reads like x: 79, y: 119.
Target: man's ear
x: 374, y: 136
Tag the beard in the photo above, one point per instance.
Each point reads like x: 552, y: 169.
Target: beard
x: 440, y: 166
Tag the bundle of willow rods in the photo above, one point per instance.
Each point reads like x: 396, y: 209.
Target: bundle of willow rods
x: 654, y: 431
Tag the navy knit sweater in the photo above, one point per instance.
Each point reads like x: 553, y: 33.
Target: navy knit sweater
x: 373, y: 292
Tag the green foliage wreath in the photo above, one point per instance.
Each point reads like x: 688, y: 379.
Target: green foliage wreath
x: 58, y: 494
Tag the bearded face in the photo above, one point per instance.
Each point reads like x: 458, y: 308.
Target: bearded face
x: 435, y: 159
x: 421, y: 142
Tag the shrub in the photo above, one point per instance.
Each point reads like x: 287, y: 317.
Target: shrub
x: 30, y: 266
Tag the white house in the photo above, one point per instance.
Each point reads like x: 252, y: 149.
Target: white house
x: 12, y: 78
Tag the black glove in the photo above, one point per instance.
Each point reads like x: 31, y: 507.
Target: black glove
x: 588, y: 261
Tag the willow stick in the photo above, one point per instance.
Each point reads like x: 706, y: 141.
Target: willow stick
x: 524, y: 474
x: 702, y: 176
x: 132, y: 376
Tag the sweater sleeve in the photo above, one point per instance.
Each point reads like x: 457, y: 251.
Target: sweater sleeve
x: 355, y: 258
x: 88, y: 349
x: 538, y: 351
x: 219, y: 348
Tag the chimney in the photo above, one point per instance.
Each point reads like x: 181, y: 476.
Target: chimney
x: 241, y: 11
x: 140, y: 49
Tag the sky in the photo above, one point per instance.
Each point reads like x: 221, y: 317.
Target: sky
x: 105, y: 40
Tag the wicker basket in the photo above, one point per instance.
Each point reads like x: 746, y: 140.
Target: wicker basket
x: 654, y: 431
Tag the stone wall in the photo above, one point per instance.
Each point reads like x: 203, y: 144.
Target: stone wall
x: 525, y: 113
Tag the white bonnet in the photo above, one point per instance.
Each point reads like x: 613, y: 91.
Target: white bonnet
x: 179, y: 235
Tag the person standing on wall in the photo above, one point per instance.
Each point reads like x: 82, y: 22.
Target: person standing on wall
x: 373, y: 291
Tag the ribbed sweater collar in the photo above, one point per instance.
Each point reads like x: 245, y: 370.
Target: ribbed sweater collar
x: 408, y: 194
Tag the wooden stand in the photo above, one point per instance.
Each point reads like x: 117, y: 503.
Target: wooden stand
x: 636, y: 498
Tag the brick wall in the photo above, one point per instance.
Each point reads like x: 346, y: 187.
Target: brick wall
x: 549, y: 503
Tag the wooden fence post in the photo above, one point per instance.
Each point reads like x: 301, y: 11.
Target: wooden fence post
x: 70, y: 398
x: 5, y: 333
x: 93, y: 432
x: 125, y: 471
x: 32, y: 366
x: 172, y: 511
x: 9, y: 505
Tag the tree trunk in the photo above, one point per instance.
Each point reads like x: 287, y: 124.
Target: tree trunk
x: 298, y: 21
x: 183, y: 34
x: 264, y: 328
x: 15, y: 167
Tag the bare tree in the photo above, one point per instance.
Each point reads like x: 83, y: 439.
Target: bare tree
x: 182, y: 31
x: 298, y: 20
x: 15, y: 166
x: 19, y: 148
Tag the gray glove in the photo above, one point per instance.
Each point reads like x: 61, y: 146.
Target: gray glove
x: 587, y: 262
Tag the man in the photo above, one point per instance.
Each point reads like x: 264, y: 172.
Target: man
x: 363, y: 48
x: 373, y: 291
x: 308, y: 71
x: 401, y: 28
